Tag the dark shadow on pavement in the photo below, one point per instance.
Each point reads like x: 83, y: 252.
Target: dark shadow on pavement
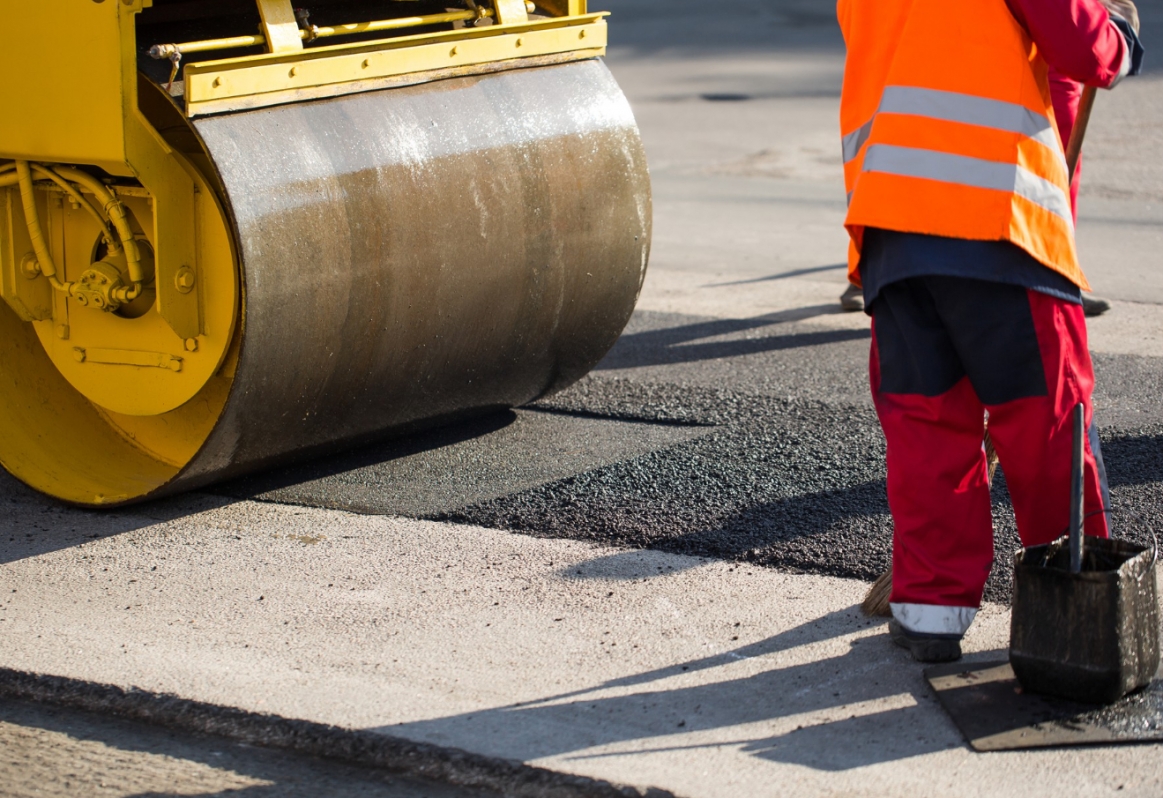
x: 871, y: 670
x: 1133, y: 459
x: 33, y: 524
x: 673, y: 345
x: 371, y: 454
x: 783, y: 275
x: 185, y: 763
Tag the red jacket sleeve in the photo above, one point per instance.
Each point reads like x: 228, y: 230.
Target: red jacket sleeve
x: 1076, y: 37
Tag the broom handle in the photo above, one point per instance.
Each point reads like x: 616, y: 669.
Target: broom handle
x: 1073, y: 151
x: 1074, y: 146
x: 1076, y: 500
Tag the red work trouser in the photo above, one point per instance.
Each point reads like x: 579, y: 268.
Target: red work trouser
x: 944, y: 351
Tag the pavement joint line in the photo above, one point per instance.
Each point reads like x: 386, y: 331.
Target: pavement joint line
x: 395, y: 754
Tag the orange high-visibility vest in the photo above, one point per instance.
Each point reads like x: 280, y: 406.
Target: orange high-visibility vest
x: 948, y: 129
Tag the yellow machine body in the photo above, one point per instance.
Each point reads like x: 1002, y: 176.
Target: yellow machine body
x: 141, y: 264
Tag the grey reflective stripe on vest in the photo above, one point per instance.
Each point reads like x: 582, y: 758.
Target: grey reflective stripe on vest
x: 951, y: 106
x: 965, y: 171
x: 855, y: 140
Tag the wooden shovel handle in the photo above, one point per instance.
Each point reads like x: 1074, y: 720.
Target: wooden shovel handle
x: 1074, y: 146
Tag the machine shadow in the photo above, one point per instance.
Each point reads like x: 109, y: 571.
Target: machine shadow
x: 331, y: 463
x: 659, y: 710
x: 34, y: 525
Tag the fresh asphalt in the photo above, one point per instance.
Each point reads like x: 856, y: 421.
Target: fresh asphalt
x: 783, y: 468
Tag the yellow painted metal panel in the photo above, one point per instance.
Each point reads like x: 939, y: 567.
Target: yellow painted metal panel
x: 272, y: 98
x: 211, y: 85
x: 112, y: 383
x: 30, y: 298
x: 62, y: 86
x: 162, y: 171
x: 562, y: 8
x: 279, y: 26
x: 511, y: 12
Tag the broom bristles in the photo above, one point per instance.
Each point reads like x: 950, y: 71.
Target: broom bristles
x: 990, y: 457
x: 875, y: 604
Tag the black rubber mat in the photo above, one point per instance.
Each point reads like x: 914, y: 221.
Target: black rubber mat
x: 990, y: 708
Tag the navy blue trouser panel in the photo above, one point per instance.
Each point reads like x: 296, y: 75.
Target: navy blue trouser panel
x: 932, y: 331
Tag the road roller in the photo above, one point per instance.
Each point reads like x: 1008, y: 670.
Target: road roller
x: 238, y: 232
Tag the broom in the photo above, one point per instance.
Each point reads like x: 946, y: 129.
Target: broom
x: 876, y: 603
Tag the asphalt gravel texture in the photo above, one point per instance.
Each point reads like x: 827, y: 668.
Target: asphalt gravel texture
x: 792, y: 476
x: 775, y: 456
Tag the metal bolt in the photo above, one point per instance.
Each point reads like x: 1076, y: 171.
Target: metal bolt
x: 184, y: 280
x: 293, y: 72
x: 191, y: 344
x: 30, y: 266
x: 63, y: 332
x: 452, y: 52
x: 366, y: 63
x: 78, y: 354
x: 581, y: 34
x: 519, y: 42
x: 217, y: 82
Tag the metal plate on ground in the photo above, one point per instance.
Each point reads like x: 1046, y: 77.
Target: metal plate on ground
x: 988, y: 705
x: 452, y: 467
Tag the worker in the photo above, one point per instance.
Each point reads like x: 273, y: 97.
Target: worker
x: 962, y: 240
x: 1065, y: 94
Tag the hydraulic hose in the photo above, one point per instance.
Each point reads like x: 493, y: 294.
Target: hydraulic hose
x: 113, y: 209
x: 32, y: 220
x: 7, y: 180
x: 117, y: 215
x: 81, y: 200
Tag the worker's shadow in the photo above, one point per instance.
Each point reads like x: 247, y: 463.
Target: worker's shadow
x: 686, y: 343
x: 863, y: 705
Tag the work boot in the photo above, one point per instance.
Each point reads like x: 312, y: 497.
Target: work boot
x: 925, y: 647
x: 853, y: 298
x: 1094, y: 306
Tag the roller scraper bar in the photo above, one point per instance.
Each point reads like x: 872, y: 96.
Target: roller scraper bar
x: 495, y: 35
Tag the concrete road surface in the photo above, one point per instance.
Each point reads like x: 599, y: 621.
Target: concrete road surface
x: 652, y: 578
x: 48, y: 752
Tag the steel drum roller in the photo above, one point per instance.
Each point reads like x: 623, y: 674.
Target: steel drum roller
x: 398, y: 258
